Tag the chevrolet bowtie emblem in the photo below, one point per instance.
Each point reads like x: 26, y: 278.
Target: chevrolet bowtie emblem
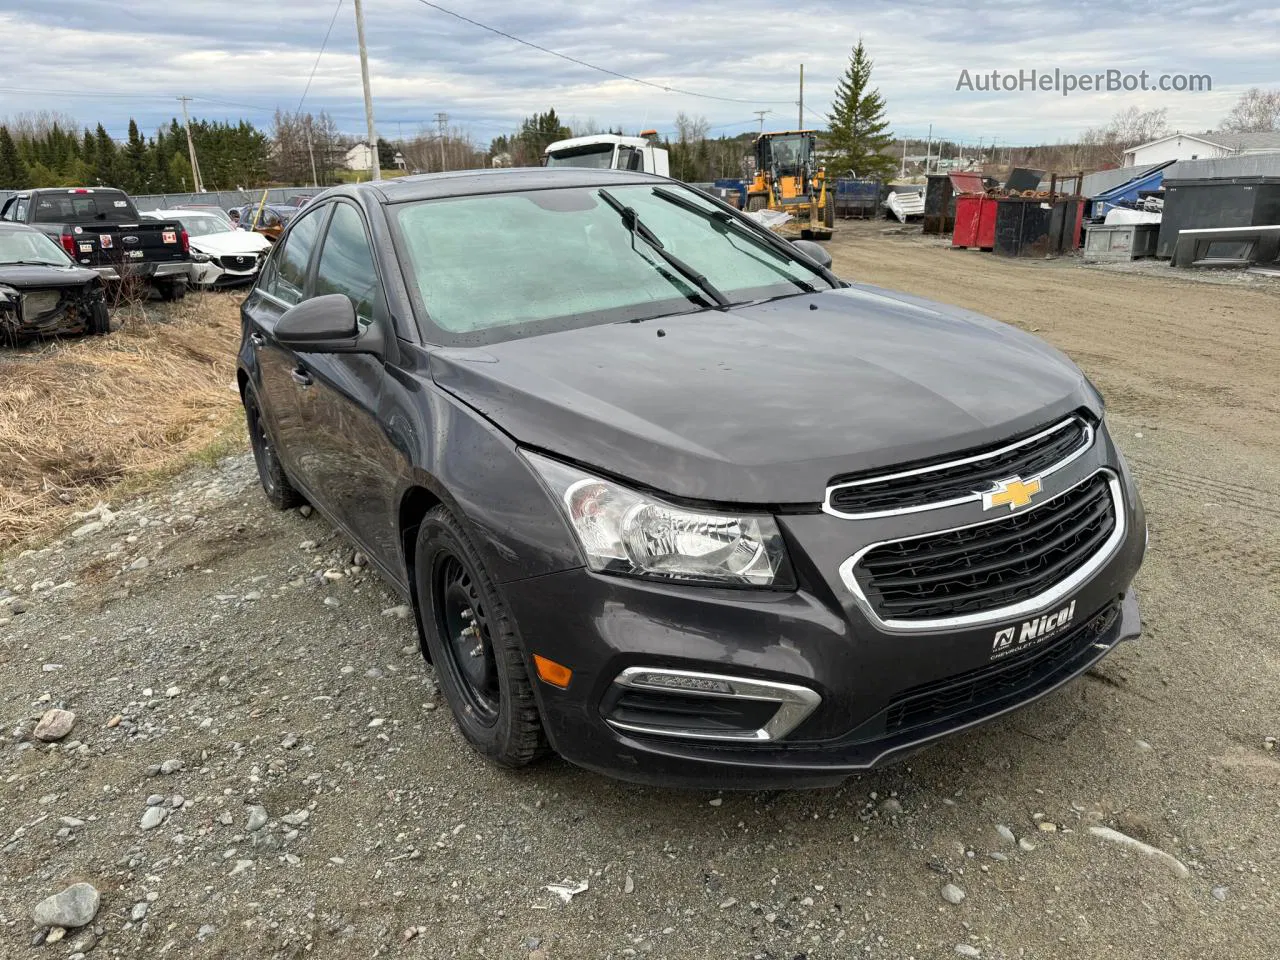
x: 1013, y: 493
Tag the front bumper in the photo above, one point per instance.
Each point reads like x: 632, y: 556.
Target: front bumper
x: 881, y: 693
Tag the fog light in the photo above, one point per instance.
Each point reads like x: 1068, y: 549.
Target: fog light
x: 551, y: 672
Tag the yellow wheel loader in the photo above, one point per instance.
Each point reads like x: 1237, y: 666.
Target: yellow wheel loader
x: 789, y: 179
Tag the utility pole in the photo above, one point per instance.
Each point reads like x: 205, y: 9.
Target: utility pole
x: 315, y: 182
x: 903, y: 174
x: 801, y: 124
x: 928, y: 149
x: 191, y: 148
x: 375, y: 170
x: 760, y: 114
x: 441, y: 119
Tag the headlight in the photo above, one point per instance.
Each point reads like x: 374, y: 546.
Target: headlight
x: 626, y: 532
x: 199, y: 257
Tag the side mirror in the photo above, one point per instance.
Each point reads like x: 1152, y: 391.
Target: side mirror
x: 326, y: 325
x: 814, y: 251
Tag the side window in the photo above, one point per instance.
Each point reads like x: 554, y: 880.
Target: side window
x: 629, y: 158
x: 19, y: 212
x: 346, y: 264
x: 288, y: 273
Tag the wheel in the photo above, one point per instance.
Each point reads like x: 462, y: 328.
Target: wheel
x: 756, y: 203
x: 829, y: 211
x: 99, y: 319
x: 172, y: 289
x: 473, y: 644
x: 275, y: 483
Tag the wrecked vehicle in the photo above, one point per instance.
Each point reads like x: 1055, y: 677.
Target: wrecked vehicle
x: 42, y: 292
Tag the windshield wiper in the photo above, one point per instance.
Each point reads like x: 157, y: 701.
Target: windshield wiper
x: 34, y: 263
x: 632, y: 221
x: 780, y: 248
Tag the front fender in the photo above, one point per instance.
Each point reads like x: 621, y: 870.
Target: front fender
x: 467, y: 463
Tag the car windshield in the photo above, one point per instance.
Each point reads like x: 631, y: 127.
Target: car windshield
x: 30, y: 247
x: 598, y: 155
x: 203, y: 226
x: 500, y: 266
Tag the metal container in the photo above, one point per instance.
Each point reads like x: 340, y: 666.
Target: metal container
x: 939, y: 204
x: 1037, y: 228
x: 856, y: 197
x: 975, y: 222
x: 1216, y: 202
x: 1120, y: 241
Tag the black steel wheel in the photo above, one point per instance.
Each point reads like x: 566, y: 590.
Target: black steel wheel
x: 275, y: 482
x: 472, y: 641
x: 463, y: 625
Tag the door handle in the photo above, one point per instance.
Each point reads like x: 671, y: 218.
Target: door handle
x: 300, y: 377
x: 257, y: 339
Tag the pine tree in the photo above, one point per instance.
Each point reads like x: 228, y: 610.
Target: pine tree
x: 13, y: 172
x: 104, y: 158
x: 857, y: 134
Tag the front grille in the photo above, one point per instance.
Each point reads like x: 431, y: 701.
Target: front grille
x: 959, y: 477
x: 990, y: 565
x: 986, y: 689
x: 238, y: 262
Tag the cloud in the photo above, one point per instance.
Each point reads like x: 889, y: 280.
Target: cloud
x: 104, y: 62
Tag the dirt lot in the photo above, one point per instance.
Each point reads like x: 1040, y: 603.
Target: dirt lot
x: 199, y: 628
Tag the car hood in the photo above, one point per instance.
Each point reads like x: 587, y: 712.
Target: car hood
x: 766, y: 403
x: 22, y: 276
x: 233, y: 242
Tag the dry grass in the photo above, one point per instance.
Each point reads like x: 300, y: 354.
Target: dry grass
x: 81, y: 416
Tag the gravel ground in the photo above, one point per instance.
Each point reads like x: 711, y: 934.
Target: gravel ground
x: 260, y: 764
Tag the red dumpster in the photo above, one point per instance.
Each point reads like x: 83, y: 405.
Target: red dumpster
x: 975, y: 222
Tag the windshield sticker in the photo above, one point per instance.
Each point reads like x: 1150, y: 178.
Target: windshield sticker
x: 121, y: 203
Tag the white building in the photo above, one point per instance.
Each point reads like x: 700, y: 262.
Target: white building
x: 359, y: 157
x: 1202, y: 146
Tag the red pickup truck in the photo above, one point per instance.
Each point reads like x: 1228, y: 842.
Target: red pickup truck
x: 100, y: 228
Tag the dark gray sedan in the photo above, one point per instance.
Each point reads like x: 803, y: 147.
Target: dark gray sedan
x: 43, y: 292
x: 669, y: 497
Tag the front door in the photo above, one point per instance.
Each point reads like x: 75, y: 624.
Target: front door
x: 350, y: 462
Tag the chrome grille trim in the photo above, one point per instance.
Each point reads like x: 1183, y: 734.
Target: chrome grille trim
x: 1017, y: 611
x: 1089, y: 434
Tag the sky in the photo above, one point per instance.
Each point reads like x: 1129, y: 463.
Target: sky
x: 107, y: 60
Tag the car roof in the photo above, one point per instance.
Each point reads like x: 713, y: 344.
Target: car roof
x: 461, y: 183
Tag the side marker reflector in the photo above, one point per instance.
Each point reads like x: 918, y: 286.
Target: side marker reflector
x: 551, y: 672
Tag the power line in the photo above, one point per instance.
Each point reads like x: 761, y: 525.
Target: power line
x: 591, y: 66
x: 324, y: 43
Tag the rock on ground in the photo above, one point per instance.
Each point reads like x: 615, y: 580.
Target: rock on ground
x: 54, y: 725
x: 75, y: 906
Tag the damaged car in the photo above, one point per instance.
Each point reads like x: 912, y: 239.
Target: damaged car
x: 43, y: 293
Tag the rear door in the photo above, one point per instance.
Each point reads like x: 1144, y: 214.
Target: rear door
x: 282, y: 285
x: 349, y: 457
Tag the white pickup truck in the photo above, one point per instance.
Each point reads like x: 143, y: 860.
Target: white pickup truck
x: 608, y: 151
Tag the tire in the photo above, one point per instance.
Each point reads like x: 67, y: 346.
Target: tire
x: 829, y: 211
x: 172, y: 289
x: 482, y: 674
x: 99, y: 319
x: 756, y: 203
x: 275, y: 482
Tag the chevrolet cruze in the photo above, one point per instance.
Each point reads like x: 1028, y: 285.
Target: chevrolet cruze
x: 669, y: 497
